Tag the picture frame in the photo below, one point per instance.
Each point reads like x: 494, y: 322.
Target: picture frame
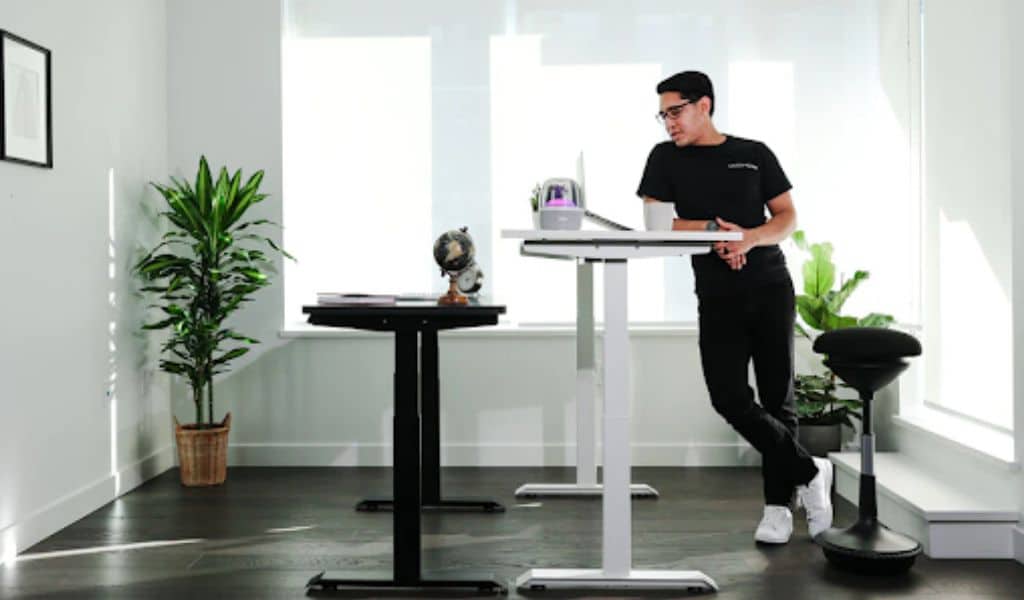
x: 26, y: 108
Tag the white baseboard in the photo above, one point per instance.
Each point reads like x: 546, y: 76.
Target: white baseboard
x: 139, y: 472
x: 45, y: 521
x: 53, y: 517
x: 971, y: 539
x: 487, y: 455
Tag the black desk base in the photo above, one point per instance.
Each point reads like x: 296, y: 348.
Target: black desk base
x: 416, y: 449
x: 430, y: 452
x: 333, y: 581
x: 446, y: 505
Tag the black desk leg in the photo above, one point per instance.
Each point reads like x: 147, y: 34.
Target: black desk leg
x: 407, y: 459
x: 407, y: 571
x: 430, y: 410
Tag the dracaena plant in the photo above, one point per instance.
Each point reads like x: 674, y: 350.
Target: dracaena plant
x: 820, y: 310
x: 206, y: 266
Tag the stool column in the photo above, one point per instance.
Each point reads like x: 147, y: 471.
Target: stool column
x: 868, y: 508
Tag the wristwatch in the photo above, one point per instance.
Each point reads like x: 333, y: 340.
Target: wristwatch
x: 712, y: 225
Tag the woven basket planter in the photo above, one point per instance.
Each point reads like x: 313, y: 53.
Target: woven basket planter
x: 203, y: 453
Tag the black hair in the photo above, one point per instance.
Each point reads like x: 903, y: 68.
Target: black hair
x: 691, y: 85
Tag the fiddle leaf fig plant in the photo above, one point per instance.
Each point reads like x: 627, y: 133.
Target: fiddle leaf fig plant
x: 205, y: 268
x: 820, y: 308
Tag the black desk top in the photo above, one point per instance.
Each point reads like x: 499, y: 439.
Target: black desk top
x: 405, y: 314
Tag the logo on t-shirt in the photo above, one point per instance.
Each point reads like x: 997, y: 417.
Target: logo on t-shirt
x: 742, y: 165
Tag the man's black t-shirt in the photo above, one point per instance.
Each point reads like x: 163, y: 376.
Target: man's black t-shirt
x: 733, y: 180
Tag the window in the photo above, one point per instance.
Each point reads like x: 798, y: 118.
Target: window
x: 966, y: 202
x: 403, y: 119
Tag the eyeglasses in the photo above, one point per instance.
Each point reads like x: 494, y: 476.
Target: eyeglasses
x: 671, y: 112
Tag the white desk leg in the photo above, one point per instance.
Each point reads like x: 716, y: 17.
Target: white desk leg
x: 586, y: 378
x: 616, y: 554
x: 586, y: 463
x: 617, y: 543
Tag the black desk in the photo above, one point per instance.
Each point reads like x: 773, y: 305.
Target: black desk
x: 416, y: 463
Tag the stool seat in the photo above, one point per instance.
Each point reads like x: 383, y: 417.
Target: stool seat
x: 869, y: 344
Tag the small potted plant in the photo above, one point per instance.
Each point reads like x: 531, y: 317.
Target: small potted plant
x: 202, y: 271
x: 820, y: 410
x: 535, y: 205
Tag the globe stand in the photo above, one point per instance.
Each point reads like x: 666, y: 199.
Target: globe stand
x: 453, y: 297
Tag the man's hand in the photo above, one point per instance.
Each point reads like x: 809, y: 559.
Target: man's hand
x: 734, y: 253
x: 735, y: 261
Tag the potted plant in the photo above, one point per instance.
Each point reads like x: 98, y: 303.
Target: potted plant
x: 202, y: 271
x: 820, y: 410
x: 535, y: 205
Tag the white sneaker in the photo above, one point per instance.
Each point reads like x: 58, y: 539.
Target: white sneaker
x: 776, y: 526
x: 816, y: 498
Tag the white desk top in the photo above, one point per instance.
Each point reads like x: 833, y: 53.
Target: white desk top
x: 601, y: 235
x: 615, y: 245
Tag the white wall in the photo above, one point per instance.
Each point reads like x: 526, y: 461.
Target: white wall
x: 506, y: 399
x: 1015, y: 70
x: 70, y: 351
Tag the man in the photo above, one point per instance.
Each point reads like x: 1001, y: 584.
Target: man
x: 745, y: 295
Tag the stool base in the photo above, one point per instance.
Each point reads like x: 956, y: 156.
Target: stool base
x: 869, y: 548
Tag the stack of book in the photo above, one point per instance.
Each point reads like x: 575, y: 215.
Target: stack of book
x: 345, y: 299
x: 339, y: 299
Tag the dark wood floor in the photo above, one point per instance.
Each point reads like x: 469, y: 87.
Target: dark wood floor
x: 222, y: 541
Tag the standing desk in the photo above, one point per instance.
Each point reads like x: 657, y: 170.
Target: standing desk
x: 416, y: 464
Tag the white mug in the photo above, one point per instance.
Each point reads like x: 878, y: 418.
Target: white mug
x: 658, y: 215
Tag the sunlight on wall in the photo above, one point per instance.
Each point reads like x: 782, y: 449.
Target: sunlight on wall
x: 112, y: 328
x: 541, y: 119
x: 8, y: 547
x: 971, y: 336
x: 357, y: 158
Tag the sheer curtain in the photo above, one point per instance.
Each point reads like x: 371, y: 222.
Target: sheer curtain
x: 403, y: 119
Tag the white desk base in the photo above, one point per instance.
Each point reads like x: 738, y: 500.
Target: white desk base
x: 529, y: 490
x: 586, y: 463
x: 595, y: 579
x: 614, y: 249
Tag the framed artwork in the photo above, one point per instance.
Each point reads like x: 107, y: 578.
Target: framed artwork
x: 26, y: 121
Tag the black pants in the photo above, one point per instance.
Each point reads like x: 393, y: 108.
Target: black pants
x: 757, y: 325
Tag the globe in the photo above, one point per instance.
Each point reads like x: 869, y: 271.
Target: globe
x: 454, y: 250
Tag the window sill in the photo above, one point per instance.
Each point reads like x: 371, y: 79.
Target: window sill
x: 987, y: 443
x: 301, y: 329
